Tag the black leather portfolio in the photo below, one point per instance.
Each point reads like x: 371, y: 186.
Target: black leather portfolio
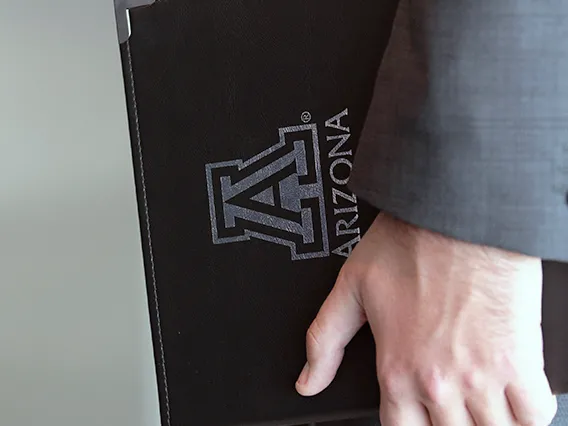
x: 245, y: 116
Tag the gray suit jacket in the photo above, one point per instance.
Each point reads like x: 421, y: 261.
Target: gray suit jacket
x: 468, y: 130
x: 467, y: 134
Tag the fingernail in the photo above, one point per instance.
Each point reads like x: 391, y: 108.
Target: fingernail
x: 303, y: 379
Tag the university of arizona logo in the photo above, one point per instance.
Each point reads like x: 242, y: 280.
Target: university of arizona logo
x: 279, y: 195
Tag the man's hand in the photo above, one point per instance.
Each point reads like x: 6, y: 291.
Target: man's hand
x: 456, y: 326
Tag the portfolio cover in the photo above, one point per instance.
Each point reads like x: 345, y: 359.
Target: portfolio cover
x: 245, y: 116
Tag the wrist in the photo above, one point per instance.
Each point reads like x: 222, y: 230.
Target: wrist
x: 440, y: 248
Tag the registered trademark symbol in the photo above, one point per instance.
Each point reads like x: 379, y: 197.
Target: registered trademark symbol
x: 306, y: 117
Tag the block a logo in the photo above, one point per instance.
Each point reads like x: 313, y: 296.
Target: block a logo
x: 275, y: 196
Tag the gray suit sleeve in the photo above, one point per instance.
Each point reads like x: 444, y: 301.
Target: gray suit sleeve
x: 467, y: 133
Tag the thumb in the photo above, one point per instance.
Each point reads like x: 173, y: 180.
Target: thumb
x: 339, y: 319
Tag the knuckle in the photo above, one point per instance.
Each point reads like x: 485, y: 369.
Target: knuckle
x: 474, y: 381
x: 314, y: 335
x: 507, y: 366
x: 433, y: 387
x: 312, y: 340
x: 393, y: 385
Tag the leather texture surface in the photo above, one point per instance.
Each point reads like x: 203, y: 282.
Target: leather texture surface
x: 212, y: 82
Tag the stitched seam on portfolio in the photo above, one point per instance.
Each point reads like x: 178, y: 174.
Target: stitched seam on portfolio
x: 148, y: 230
